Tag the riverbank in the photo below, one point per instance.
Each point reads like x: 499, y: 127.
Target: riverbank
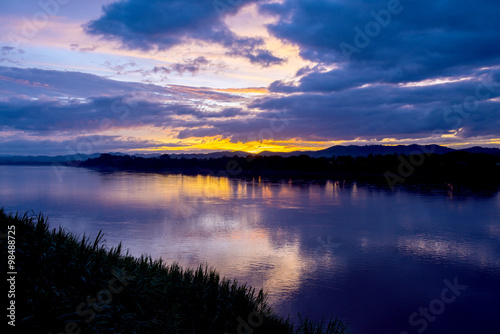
x: 454, y: 167
x: 67, y: 284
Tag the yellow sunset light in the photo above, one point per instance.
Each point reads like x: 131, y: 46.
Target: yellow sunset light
x: 218, y: 144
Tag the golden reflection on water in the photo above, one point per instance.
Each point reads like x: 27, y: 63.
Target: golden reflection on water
x: 228, y: 237
x: 166, y: 187
x: 180, y: 189
x: 240, y: 250
x: 215, y: 231
x: 154, y: 187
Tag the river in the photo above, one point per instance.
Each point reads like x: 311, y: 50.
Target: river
x: 416, y: 259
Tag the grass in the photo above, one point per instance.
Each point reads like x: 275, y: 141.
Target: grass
x: 70, y: 284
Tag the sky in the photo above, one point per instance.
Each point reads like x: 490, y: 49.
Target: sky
x: 172, y: 76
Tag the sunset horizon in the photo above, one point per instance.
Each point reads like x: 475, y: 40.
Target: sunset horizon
x: 241, y: 76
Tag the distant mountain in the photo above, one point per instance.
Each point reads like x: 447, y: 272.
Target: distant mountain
x: 478, y: 149
x: 352, y: 150
x: 363, y: 151
x: 45, y: 159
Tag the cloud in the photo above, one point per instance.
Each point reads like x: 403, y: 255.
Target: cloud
x: 120, y: 69
x: 127, y: 68
x: 35, y: 83
x: 261, y: 57
x: 192, y: 66
x: 469, y: 108
x: 163, y: 24
x: 387, y: 41
x: 90, y: 115
x: 53, y: 102
x: 414, y: 73
x: 77, y: 48
x: 59, y: 104
x: 6, y: 53
x: 162, y: 69
x: 77, y: 145
x: 9, y: 50
x: 60, y: 83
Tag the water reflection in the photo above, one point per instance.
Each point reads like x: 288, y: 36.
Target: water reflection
x: 353, y: 249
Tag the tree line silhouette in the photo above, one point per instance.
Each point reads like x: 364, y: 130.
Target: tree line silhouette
x: 453, y: 166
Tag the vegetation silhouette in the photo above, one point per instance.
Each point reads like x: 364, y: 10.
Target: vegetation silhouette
x: 457, y: 166
x: 70, y: 284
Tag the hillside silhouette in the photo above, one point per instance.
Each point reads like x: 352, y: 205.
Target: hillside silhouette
x: 453, y: 166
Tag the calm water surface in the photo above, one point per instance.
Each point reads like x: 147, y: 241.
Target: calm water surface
x: 362, y: 252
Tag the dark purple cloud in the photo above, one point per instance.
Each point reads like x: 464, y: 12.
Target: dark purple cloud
x: 388, y: 41
x: 47, y: 102
x: 376, y: 113
x: 366, y: 51
x: 390, y: 110
x: 373, y: 112
x: 36, y: 83
x: 162, y: 24
x: 97, y: 114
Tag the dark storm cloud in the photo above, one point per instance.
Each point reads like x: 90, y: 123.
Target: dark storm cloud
x: 390, y: 110
x: 162, y: 24
x: 367, y: 51
x: 388, y: 41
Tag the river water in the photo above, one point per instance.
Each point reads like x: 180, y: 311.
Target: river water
x: 417, y: 259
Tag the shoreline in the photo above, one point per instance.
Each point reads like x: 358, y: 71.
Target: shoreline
x: 76, y: 284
